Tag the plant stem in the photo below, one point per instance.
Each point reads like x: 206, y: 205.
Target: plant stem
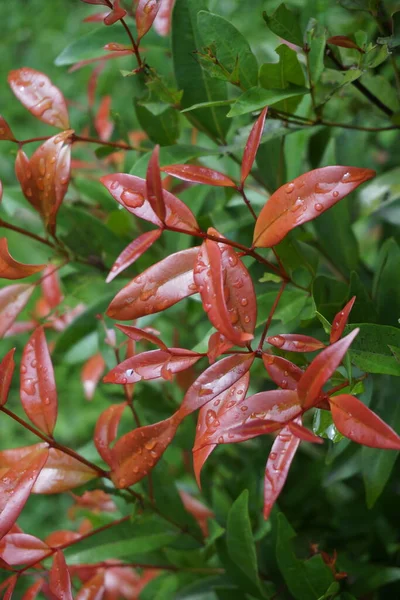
x: 26, y: 233
x: 134, y: 45
x: 247, y: 201
x: 271, y: 314
x: 90, y: 140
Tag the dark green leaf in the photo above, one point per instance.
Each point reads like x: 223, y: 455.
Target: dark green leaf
x: 90, y: 45
x: 285, y: 24
x: 370, y: 350
x: 386, y: 289
x: 363, y: 310
x: 162, y: 127
x: 256, y: 98
x: 239, y: 537
x: 324, y: 426
x: 282, y: 74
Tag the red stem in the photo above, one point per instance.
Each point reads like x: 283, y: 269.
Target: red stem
x: 26, y: 233
x: 271, y: 314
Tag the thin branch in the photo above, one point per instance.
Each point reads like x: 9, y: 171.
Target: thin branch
x: 26, y: 233
x: 247, y: 201
x: 271, y: 314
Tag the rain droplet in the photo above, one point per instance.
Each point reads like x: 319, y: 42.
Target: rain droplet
x: 238, y: 283
x: 23, y: 369
x: 114, y: 185
x: 221, y: 439
x: 205, y: 392
x: 233, y: 260
x: 244, y: 302
x: 42, y: 166
x: 346, y: 177
x: 243, y: 408
x: 246, y: 319
x: 277, y: 340
x: 273, y: 456
x: 230, y: 404
x: 150, y: 444
x: 289, y: 188
x: 318, y: 207
x: 297, y: 205
x: 132, y: 199
x: 211, y: 416
x: 192, y: 287
x: 284, y: 383
x: 335, y: 194
x: 135, y: 469
x: 217, y: 402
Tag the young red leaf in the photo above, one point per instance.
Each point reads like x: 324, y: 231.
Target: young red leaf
x: 115, y: 15
x: 21, y: 548
x: 103, y: 125
x: 38, y: 386
x: 162, y: 22
x: 13, y: 299
x: 196, y: 508
x: 132, y: 252
x: 160, y: 286
x: 211, y: 417
x: 61, y: 473
x: 106, y: 430
x: 152, y: 365
x: 284, y: 373
x: 16, y: 485
x: 199, y: 174
x: 131, y: 192
x: 94, y: 588
x: 252, y: 144
x: 9, y: 586
x: 7, y: 366
x: 91, y: 374
x: 343, y: 42
x: 340, y: 321
x: 217, y: 344
x: 134, y: 333
x: 146, y: 12
x: 155, y: 192
x: 37, y: 93
x: 358, y: 423
x: 321, y: 369
x: 294, y: 342
x: 230, y: 308
x: 5, y: 131
x: 51, y: 287
x: 60, y: 580
x: 138, y: 451
x: 215, y: 380
x: 304, y: 434
x: 277, y: 468
x: 12, y: 269
x: 32, y: 592
x: 115, y: 47
x: 303, y: 199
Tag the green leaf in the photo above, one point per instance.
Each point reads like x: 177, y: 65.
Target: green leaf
x: 375, y: 56
x: 239, y: 537
x: 393, y: 41
x: 329, y: 295
x: 90, y: 45
x: 197, y: 86
x: 316, y: 41
x: 280, y: 75
x: 386, y: 289
x: 324, y: 426
x: 370, y: 350
x: 396, y: 352
x: 299, y: 259
x: 208, y: 105
x: 231, y: 47
x: 285, y: 24
x: 163, y: 127
x: 374, y: 578
x: 364, y: 310
x: 257, y: 97
x: 306, y: 580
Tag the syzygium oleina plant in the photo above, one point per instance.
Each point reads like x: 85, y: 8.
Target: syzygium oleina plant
x: 200, y: 290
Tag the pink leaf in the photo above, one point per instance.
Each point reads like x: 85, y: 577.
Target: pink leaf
x: 304, y: 434
x: 21, y: 548
x: 5, y: 131
x: 115, y: 15
x: 217, y: 345
x: 199, y: 174
x: 51, y: 287
x: 60, y: 580
x: 162, y: 22
x: 91, y: 374
x: 106, y: 430
x: 32, y: 592
x: 294, y: 342
x: 146, y: 12
x: 252, y: 144
x: 13, y: 299
x: 102, y: 122
x: 132, y: 252
x: 340, y: 321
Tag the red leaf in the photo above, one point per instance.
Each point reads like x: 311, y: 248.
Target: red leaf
x: 196, y: 508
x: 12, y: 269
x: 282, y: 372
x: 358, y: 423
x: 146, y: 12
x: 321, y: 369
x: 61, y: 473
x: 340, y: 321
x: 13, y: 299
x: 152, y: 365
x: 226, y: 291
x: 304, y: 199
x: 294, y: 342
x: 162, y: 23
x: 5, y: 130
x: 7, y: 366
x: 132, y: 252
x: 12, y: 582
x: 217, y: 345
x: 136, y: 334
x: 102, y: 122
x: 115, y: 15
x: 61, y: 537
x: 93, y: 589
x: 210, y: 418
x: 155, y: 193
x: 16, y: 485
x: 343, y: 42
x: 91, y: 374
x: 32, y: 592
x: 213, y: 381
x: 115, y: 47
x: 89, y: 61
x: 304, y: 434
x: 37, y: 93
x: 38, y: 386
x: 160, y: 286
x: 138, y: 451
x: 106, y: 430
x: 21, y: 548
x: 199, y: 174
x: 277, y: 468
x: 60, y: 580
x: 252, y: 144
x: 51, y: 287
x: 131, y: 192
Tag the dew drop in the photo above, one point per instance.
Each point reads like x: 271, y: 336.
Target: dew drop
x: 150, y: 444
x: 42, y: 166
x: 205, y: 392
x: 284, y: 384
x: 132, y: 199
x: 211, y: 416
x: 297, y: 205
x: 335, y: 194
x: 153, y: 454
x: 114, y: 185
x: 243, y: 408
x: 346, y: 177
x: 124, y: 380
x: 47, y: 401
x: 273, y: 456
x: 238, y: 283
x: 28, y: 192
x: 233, y: 260
x: 246, y: 319
x: 34, y: 363
x: 221, y: 439
x: 244, y: 302
x: 135, y: 469
x: 277, y: 340
x: 230, y: 404
x: 318, y: 207
x: 122, y: 482
x: 289, y: 188
x: 23, y: 369
x: 217, y: 402
x: 192, y: 287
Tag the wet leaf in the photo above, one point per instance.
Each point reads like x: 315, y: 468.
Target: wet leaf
x: 357, y: 422
x: 94, y: 588
x: 199, y: 174
x: 13, y: 299
x: 132, y: 252
x: 340, y: 321
x: 91, y: 374
x: 38, y: 387
x: 60, y: 580
x: 294, y: 342
x: 160, y: 286
x: 304, y: 434
x: 217, y: 344
x: 284, y: 373
x: 106, y: 430
x: 321, y: 369
x: 21, y: 548
x: 303, y: 199
x: 7, y: 366
x: 155, y: 192
x: 136, y: 334
x: 252, y: 144
x: 146, y: 12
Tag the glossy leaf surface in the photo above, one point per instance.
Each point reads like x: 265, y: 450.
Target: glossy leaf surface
x: 217, y: 344
x: 284, y: 373
x: 357, y: 422
x: 340, y: 321
x: 294, y: 342
x: 155, y: 192
x: 13, y: 299
x: 15, y: 486
x: 94, y: 588
x: 38, y: 386
x: 303, y: 199
x: 146, y: 12
x: 199, y: 174
x: 106, y: 430
x: 7, y: 367
x: 131, y: 193
x: 21, y: 548
x: 321, y: 369
x: 60, y: 580
x: 152, y: 365
x: 252, y: 144
x: 305, y: 435
x: 136, y: 334
x: 132, y: 252
x: 91, y: 374
x: 37, y: 93
x: 157, y: 288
